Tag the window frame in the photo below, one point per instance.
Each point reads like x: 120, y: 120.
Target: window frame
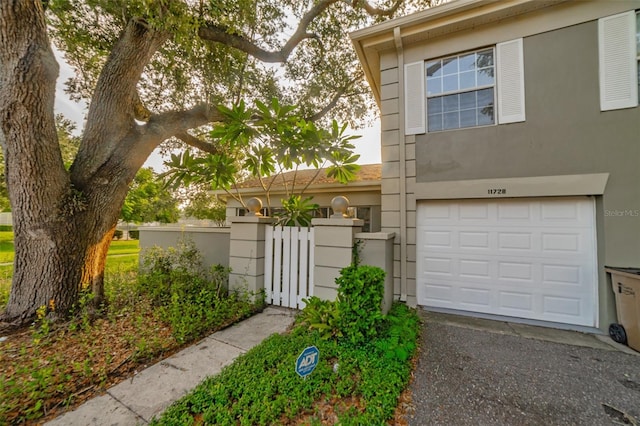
x: 474, y: 89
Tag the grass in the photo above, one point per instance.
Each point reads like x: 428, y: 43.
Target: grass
x: 121, y: 257
x: 6, y: 246
x: 352, y: 385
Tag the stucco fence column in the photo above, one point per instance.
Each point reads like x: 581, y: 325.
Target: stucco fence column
x: 246, y: 253
x: 376, y: 249
x: 333, y: 247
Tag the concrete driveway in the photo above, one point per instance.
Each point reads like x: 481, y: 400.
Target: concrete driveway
x: 480, y: 372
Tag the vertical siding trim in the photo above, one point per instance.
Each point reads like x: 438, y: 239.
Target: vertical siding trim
x: 510, y: 81
x: 617, y: 60
x: 414, y: 98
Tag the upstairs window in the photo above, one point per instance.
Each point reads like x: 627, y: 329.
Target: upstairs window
x: 476, y: 88
x: 461, y: 91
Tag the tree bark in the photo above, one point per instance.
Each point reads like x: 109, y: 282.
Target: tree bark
x: 64, y: 221
x: 35, y: 174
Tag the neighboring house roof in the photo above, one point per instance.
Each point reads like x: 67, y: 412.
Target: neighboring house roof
x: 367, y: 172
x: 368, y: 176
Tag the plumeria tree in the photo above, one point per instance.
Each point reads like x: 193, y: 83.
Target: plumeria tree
x: 265, y: 142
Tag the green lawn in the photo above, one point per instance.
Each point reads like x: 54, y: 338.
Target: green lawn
x: 122, y: 257
x: 6, y: 246
x: 117, y: 247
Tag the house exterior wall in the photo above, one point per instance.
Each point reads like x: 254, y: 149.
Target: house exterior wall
x: 565, y: 133
x: 369, y: 199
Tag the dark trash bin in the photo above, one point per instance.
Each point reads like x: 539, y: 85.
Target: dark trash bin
x: 625, y: 283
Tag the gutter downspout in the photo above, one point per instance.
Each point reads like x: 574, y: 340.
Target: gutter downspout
x: 403, y: 167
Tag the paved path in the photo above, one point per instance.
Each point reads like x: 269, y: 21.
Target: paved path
x: 149, y: 393
x: 478, y: 372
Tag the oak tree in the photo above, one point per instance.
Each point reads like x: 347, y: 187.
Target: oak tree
x: 153, y: 72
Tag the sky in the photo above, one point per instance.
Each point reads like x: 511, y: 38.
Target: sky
x: 368, y: 146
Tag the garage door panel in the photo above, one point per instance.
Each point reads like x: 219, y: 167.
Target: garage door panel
x: 475, y: 297
x: 438, y: 239
x: 565, y: 306
x: 515, y: 241
x: 511, y: 301
x: 525, y: 258
x: 517, y: 271
x: 440, y: 295
x: 475, y: 269
x: 561, y: 275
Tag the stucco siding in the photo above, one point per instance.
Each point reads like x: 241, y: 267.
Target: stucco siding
x: 564, y: 133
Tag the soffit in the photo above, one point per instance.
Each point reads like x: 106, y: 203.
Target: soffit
x: 432, y: 23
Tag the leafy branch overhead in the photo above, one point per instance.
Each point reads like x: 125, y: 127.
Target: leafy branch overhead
x: 264, y: 142
x: 153, y: 73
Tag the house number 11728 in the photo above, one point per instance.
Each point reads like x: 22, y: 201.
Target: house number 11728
x: 497, y: 191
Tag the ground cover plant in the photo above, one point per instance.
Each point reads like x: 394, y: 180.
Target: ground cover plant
x: 49, y: 366
x: 357, y: 381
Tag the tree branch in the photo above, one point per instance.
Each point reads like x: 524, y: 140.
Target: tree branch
x: 221, y: 35
x: 114, y: 105
x: 140, y: 111
x: 372, y: 10
x: 172, y: 123
x: 334, y: 100
x: 197, y: 143
x: 145, y: 138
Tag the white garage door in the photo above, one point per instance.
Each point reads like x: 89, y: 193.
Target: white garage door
x: 531, y: 258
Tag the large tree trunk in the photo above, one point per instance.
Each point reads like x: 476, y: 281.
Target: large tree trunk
x: 64, y: 221
x: 62, y: 226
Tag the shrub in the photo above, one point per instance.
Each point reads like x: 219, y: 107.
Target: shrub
x: 320, y: 315
x: 117, y: 234
x: 360, y: 293
x: 190, y: 299
x: 134, y: 234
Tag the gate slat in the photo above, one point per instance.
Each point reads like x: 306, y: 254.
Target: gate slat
x: 277, y: 266
x: 268, y: 264
x: 293, y: 268
x: 304, y: 271
x: 312, y: 263
x: 286, y: 261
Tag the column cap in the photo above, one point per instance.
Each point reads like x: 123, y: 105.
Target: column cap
x: 375, y: 235
x: 337, y: 222
x: 252, y: 219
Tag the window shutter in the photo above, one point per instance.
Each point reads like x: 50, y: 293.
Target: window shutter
x: 414, y: 98
x: 510, y: 81
x: 617, y: 56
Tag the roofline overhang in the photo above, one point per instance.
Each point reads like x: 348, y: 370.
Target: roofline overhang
x: 370, y: 185
x: 450, y: 17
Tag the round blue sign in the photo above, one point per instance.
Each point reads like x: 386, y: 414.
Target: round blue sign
x: 307, y: 361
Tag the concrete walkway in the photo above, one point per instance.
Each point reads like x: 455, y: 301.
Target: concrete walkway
x: 147, y: 394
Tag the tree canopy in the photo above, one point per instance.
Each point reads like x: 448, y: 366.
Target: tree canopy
x: 224, y: 51
x: 148, y: 200
x: 153, y: 72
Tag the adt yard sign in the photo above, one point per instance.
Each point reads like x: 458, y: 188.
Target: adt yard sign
x: 307, y: 361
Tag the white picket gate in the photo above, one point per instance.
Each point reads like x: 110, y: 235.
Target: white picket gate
x: 288, y: 275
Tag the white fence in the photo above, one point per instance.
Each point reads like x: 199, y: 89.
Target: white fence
x: 288, y: 265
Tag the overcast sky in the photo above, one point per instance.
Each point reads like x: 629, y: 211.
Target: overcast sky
x: 368, y: 146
